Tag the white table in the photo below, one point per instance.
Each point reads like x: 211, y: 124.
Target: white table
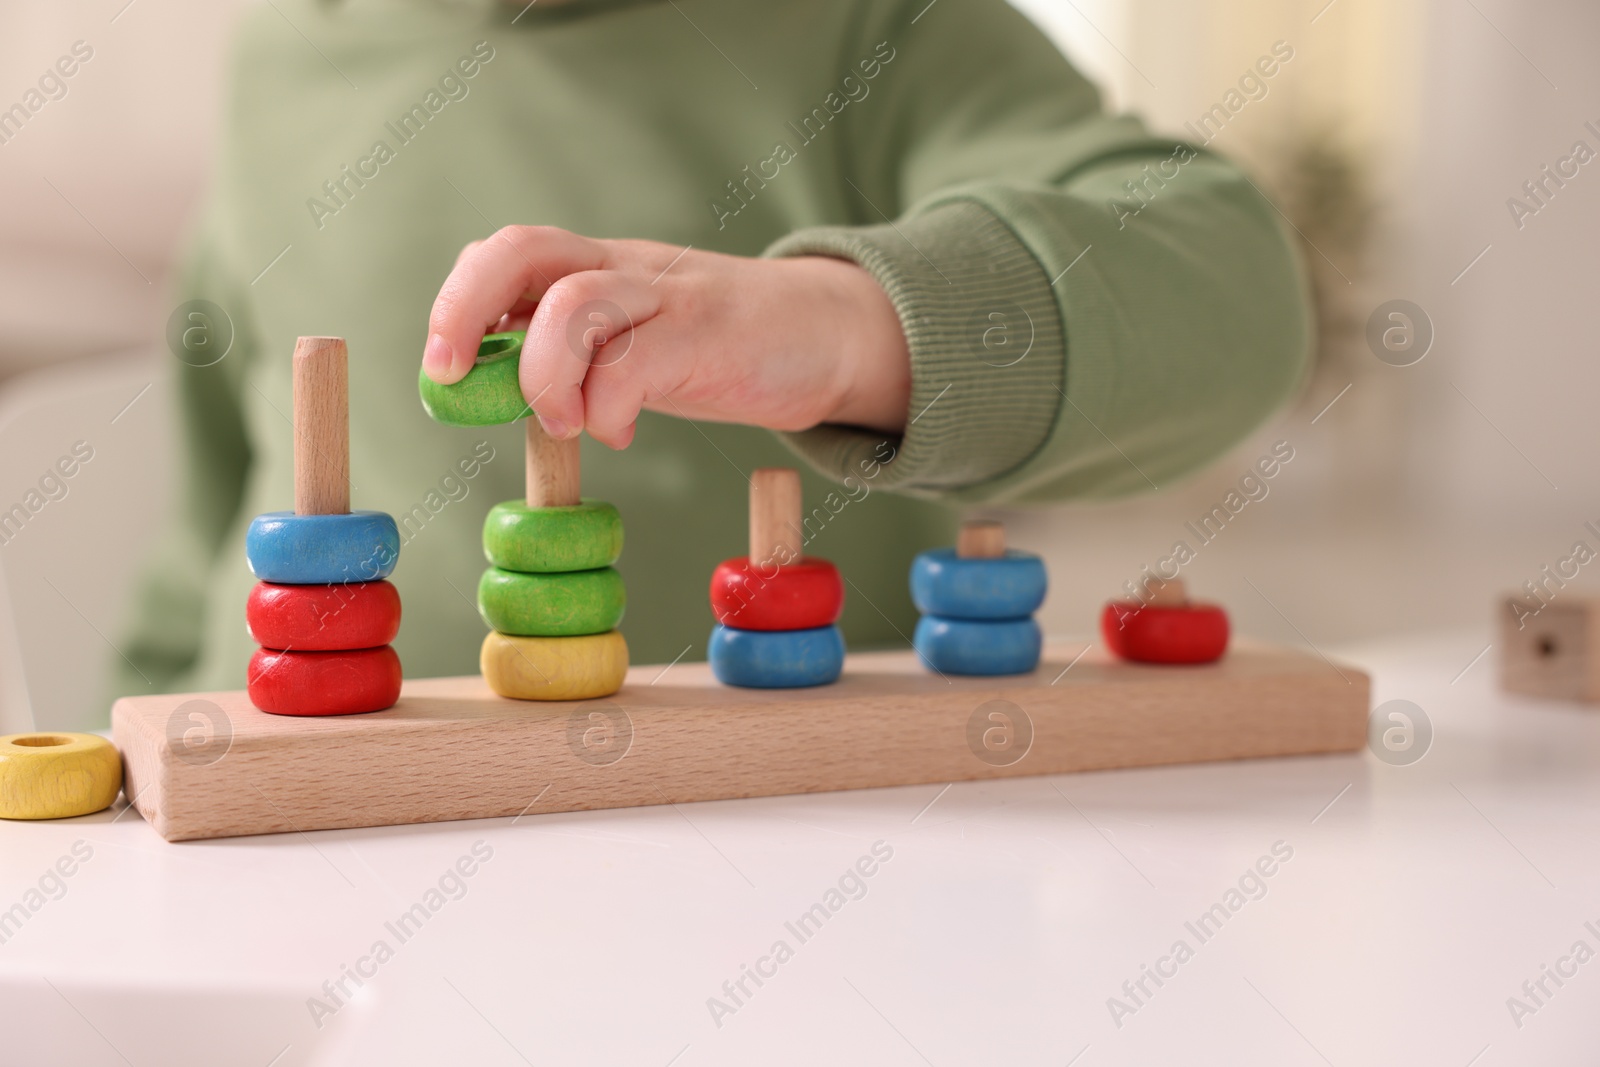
x: 1416, y: 901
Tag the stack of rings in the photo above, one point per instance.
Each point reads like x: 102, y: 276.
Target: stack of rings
x: 551, y: 596
x: 323, y: 613
x: 553, y: 601
x: 776, y: 623
x: 978, y: 612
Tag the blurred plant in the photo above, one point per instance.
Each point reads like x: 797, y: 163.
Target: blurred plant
x: 1324, y: 183
x: 1323, y: 186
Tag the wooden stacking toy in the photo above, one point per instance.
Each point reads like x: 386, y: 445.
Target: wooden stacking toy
x: 551, y: 596
x: 776, y: 608
x: 977, y: 602
x: 1166, y: 628
x: 322, y: 611
x: 57, y: 776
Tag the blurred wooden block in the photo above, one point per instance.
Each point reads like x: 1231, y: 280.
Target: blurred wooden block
x: 1554, y: 654
x: 210, y: 765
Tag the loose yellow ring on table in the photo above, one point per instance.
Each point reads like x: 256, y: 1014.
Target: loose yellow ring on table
x: 554, y: 668
x: 57, y: 776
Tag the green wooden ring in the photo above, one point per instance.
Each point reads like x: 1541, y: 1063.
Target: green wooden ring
x: 552, y: 540
x: 552, y: 605
x: 489, y: 395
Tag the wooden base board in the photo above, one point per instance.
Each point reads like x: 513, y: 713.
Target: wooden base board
x: 210, y: 765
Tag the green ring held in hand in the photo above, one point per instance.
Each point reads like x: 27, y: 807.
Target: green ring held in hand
x: 489, y: 395
x: 552, y: 540
x: 552, y: 605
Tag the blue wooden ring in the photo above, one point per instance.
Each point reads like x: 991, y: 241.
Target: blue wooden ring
x: 1010, y: 587
x: 776, y: 659
x: 361, y: 546
x: 980, y: 647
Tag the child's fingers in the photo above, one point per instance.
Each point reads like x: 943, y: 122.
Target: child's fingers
x: 518, y: 263
x: 643, y: 365
x: 513, y: 321
x: 612, y: 401
x: 575, y: 324
x: 465, y: 251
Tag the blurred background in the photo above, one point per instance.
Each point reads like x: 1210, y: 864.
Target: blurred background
x: 1391, y: 142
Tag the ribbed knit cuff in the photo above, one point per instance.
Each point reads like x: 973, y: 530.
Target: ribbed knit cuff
x: 987, y: 349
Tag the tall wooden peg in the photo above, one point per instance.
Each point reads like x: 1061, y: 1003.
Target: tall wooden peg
x: 552, y: 468
x: 775, y: 534
x: 321, y: 426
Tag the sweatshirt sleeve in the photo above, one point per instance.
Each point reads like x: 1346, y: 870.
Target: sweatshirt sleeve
x: 168, y: 609
x: 1090, y: 310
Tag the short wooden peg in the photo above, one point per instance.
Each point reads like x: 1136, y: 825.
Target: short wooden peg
x: 981, y: 540
x: 1166, y: 593
x: 775, y: 516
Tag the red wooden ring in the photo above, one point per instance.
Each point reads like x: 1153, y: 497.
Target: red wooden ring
x: 1195, y: 633
x: 323, y: 618
x: 802, y: 595
x: 324, y: 683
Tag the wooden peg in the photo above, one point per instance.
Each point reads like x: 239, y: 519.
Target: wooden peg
x: 775, y: 535
x: 981, y: 540
x: 552, y: 468
x: 321, y: 426
x: 1166, y: 593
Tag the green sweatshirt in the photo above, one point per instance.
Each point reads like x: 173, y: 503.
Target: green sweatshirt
x: 1090, y: 309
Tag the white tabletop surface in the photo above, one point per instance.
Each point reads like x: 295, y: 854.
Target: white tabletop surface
x: 1416, y: 901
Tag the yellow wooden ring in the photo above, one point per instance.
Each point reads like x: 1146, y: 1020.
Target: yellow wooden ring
x: 554, y: 668
x: 57, y: 776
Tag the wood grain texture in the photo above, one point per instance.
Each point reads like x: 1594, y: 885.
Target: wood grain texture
x: 981, y: 540
x: 1554, y: 653
x: 775, y: 516
x: 552, y: 469
x: 321, y: 426
x: 57, y: 776
x: 450, y: 749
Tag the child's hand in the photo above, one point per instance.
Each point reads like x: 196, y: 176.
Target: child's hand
x: 616, y: 326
